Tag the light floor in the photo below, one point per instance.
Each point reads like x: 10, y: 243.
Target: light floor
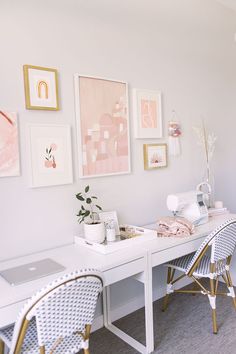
x: 184, y: 328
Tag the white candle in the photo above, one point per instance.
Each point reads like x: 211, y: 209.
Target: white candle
x: 218, y: 204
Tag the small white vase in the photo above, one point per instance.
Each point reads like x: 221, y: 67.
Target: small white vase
x: 94, y: 232
x: 111, y: 235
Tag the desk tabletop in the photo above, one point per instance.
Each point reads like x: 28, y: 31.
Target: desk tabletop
x: 74, y: 257
x: 201, y: 231
x: 71, y: 257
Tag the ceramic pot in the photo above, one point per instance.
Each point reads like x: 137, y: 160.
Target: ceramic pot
x: 94, y: 232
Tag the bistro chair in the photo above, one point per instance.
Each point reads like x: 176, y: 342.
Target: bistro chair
x: 221, y: 242
x: 58, y: 318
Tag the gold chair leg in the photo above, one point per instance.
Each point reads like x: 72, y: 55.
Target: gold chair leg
x: 42, y: 350
x: 229, y: 283
x: 1, y: 347
x: 166, y: 297
x: 86, y: 337
x: 195, y: 287
x: 213, y: 298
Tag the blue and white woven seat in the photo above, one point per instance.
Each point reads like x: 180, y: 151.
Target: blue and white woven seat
x: 58, y: 318
x: 221, y: 243
x: 203, y: 268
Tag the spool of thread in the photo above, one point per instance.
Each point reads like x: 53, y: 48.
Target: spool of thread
x: 218, y: 204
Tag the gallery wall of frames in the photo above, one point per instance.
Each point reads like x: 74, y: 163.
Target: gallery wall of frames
x: 102, y: 129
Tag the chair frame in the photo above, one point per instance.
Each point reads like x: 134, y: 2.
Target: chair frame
x: 212, y: 292
x: 25, y: 323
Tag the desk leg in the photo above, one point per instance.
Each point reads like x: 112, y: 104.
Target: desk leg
x: 148, y: 306
x: 147, y: 281
x: 106, y: 306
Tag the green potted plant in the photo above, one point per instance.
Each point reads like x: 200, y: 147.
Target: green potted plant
x: 94, y: 229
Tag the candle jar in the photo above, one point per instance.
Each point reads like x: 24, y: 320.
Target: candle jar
x: 110, y: 231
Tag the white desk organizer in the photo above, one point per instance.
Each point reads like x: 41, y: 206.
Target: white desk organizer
x: 110, y: 247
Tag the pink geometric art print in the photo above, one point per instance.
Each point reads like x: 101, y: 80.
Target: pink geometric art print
x: 9, y: 145
x: 103, y: 127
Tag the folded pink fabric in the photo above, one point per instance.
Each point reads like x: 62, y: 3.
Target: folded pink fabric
x: 171, y: 226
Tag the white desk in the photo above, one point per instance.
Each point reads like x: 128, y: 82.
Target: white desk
x: 137, y: 262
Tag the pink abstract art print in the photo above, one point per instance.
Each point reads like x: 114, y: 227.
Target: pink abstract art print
x: 148, y: 114
x: 103, y: 127
x: 9, y: 146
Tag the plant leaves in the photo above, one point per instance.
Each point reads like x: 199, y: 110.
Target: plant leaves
x: 98, y: 207
x: 80, y: 197
x: 94, y: 197
x: 88, y: 200
x: 86, y: 189
x: 86, y: 213
x: 82, y: 207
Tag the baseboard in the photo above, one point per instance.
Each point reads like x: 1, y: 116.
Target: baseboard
x: 133, y: 305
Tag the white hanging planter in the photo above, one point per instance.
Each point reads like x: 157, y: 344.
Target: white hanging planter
x: 95, y: 232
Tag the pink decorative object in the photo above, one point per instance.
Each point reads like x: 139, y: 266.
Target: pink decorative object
x: 9, y: 146
x: 147, y: 114
x: 103, y: 126
x: 49, y: 157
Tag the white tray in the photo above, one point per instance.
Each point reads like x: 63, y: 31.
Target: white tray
x: 110, y: 247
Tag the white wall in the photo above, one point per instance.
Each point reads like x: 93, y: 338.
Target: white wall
x: 185, y: 48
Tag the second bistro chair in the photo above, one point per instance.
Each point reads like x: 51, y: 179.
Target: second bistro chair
x: 58, y: 318
x: 221, y: 242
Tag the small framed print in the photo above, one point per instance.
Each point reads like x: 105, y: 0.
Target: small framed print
x: 147, y: 114
x: 51, y: 160
x: 107, y: 216
x: 41, y: 88
x: 154, y: 156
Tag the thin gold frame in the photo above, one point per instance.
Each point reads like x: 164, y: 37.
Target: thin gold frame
x: 145, y: 156
x: 28, y: 104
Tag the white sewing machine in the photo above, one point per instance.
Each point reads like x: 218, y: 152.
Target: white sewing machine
x: 189, y: 205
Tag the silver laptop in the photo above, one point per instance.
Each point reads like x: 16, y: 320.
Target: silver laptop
x: 31, y: 271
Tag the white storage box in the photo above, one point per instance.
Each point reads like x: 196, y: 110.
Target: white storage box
x: 135, y: 237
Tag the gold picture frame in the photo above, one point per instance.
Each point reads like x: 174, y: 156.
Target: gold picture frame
x: 154, y: 156
x: 41, y: 88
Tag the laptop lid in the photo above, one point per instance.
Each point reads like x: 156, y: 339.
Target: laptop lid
x: 31, y: 271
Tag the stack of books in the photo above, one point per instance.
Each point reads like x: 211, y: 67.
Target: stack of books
x: 217, y: 211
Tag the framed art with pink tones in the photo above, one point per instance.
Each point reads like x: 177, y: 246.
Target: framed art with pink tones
x: 147, y: 114
x: 154, y: 156
x: 102, y: 126
x: 9, y: 145
x: 51, y: 160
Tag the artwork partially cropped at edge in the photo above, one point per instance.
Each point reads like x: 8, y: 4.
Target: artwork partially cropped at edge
x: 9, y: 145
x: 103, y: 126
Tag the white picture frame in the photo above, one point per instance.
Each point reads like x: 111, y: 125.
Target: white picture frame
x: 103, y: 148
x: 108, y: 216
x: 147, y: 110
x: 50, y: 155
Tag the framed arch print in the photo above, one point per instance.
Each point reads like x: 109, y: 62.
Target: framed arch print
x: 41, y: 88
